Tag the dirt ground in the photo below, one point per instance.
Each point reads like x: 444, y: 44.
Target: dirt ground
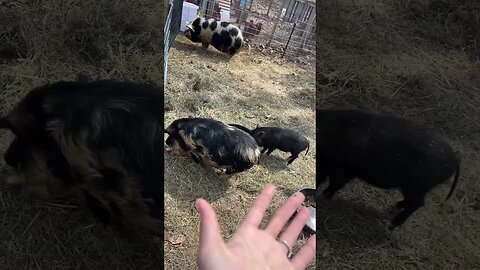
x: 249, y: 90
x: 420, y: 60
x: 47, y: 41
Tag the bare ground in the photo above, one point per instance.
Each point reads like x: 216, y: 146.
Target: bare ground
x: 249, y: 90
x: 417, y: 59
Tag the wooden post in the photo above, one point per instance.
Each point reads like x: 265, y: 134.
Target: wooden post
x: 276, y: 22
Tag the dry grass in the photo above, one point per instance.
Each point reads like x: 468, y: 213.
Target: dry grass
x: 46, y: 41
x: 248, y: 90
x: 418, y: 59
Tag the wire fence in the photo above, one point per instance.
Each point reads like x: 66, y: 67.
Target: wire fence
x: 279, y: 28
x: 171, y: 30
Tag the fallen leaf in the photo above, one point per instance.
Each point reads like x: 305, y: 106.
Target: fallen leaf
x: 176, y: 240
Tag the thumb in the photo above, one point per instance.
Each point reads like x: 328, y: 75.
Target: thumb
x: 210, y: 235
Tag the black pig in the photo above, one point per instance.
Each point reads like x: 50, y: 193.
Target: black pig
x: 100, y: 139
x: 283, y: 139
x: 271, y: 138
x: 385, y: 151
x: 213, y: 144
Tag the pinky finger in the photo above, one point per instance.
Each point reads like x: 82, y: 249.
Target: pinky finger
x: 303, y: 258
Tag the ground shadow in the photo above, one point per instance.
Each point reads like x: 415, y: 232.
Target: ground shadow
x: 208, y: 55
x: 347, y: 226
x: 272, y: 162
x: 40, y: 234
x: 186, y: 181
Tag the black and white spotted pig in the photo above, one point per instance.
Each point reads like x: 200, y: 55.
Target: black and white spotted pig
x: 223, y: 36
x: 386, y: 152
x: 213, y: 144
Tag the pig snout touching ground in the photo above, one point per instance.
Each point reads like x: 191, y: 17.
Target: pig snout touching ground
x: 283, y: 139
x: 386, y: 152
x: 213, y: 144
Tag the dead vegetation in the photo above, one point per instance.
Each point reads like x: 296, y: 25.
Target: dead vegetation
x: 420, y: 60
x: 47, y: 41
x: 249, y: 90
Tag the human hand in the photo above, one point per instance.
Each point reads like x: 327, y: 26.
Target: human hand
x: 252, y: 247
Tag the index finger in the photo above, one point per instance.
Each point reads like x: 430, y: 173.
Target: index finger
x: 255, y: 214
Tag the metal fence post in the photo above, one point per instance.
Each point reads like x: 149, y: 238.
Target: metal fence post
x: 276, y: 22
x: 309, y: 27
x: 269, y: 7
x: 203, y: 8
x: 170, y: 31
x: 288, y: 41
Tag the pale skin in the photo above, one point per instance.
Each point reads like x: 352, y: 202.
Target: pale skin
x: 252, y: 247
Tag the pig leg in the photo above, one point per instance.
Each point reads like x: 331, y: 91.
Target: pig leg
x: 337, y: 181
x: 264, y: 149
x: 412, y: 202
x: 230, y: 171
x: 195, y: 158
x: 205, y: 45
x: 270, y: 150
x: 292, y: 158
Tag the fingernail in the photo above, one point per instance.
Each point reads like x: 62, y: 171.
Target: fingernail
x: 197, y: 205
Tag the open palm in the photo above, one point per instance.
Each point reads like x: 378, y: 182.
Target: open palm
x: 252, y: 247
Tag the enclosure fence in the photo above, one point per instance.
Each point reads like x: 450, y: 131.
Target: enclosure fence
x: 285, y: 28
x: 282, y: 28
x: 171, y: 30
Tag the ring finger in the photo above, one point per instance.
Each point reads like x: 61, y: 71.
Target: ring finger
x: 293, y: 230
x: 283, y: 214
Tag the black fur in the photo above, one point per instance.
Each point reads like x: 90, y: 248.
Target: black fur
x: 233, y: 32
x: 283, y: 139
x: 214, y: 141
x: 249, y: 131
x: 385, y: 151
x: 213, y: 26
x: 16, y: 155
x: 125, y: 117
x: 205, y: 25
